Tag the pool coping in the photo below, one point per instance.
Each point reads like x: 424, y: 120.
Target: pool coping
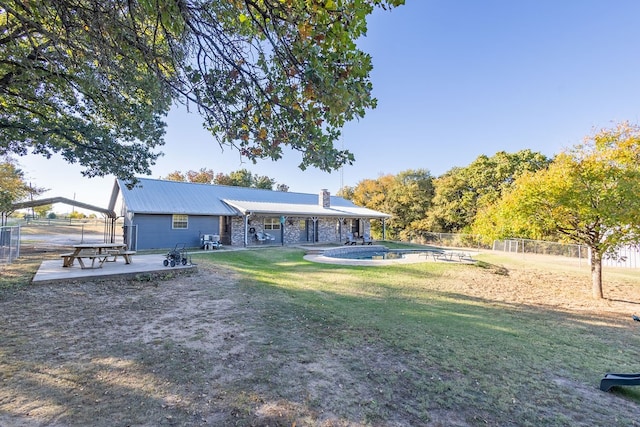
x: 325, y: 259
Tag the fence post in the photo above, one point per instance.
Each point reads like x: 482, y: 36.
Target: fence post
x: 580, y: 256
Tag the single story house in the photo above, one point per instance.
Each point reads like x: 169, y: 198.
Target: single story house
x: 160, y: 214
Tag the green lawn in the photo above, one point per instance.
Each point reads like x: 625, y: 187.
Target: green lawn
x: 262, y: 337
x: 413, y: 333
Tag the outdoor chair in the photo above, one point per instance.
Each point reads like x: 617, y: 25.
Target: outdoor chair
x: 210, y: 241
x: 262, y: 237
x: 367, y: 240
x: 350, y: 239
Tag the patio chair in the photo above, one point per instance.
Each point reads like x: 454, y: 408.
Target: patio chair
x: 350, y: 239
x: 262, y: 237
x: 367, y: 240
x: 210, y: 241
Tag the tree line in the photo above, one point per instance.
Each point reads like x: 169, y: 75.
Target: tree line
x: 586, y: 195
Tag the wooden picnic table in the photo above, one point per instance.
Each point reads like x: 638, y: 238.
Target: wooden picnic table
x: 96, y: 252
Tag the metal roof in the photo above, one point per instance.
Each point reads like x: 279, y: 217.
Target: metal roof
x: 154, y: 196
x: 292, y: 209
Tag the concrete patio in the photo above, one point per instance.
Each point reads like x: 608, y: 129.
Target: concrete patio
x: 52, y: 270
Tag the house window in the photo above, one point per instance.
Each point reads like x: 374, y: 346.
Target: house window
x: 180, y: 221
x: 272, y: 224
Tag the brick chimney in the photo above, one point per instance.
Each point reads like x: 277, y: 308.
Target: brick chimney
x: 325, y: 198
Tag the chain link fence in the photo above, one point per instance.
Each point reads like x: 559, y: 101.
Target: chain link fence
x: 524, y: 246
x: 628, y: 257
x: 541, y: 247
x: 453, y: 240
x: 624, y: 256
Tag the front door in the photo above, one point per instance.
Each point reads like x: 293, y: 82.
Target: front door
x: 356, y: 229
x: 308, y: 231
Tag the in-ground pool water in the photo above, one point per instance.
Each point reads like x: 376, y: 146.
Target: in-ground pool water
x: 377, y: 255
x: 382, y: 254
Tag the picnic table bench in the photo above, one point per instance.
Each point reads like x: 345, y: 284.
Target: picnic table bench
x: 126, y: 255
x: 97, y: 254
x: 69, y: 258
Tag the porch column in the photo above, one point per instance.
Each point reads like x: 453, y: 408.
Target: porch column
x: 384, y: 229
x: 315, y: 228
x: 340, y: 221
x: 246, y: 229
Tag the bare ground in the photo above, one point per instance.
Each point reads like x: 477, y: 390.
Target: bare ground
x: 199, y: 350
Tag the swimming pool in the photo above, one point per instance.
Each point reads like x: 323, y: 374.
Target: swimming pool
x: 373, y: 255
x: 385, y: 254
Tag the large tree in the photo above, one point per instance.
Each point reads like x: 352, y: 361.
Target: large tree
x: 373, y: 194
x: 409, y: 200
x: 93, y: 79
x: 589, y: 195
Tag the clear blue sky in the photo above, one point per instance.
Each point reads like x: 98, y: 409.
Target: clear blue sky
x: 454, y: 79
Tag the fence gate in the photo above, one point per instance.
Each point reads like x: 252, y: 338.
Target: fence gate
x: 9, y: 244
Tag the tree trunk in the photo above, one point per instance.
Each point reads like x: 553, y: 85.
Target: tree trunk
x: 596, y: 274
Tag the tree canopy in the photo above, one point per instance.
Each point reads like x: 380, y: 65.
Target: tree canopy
x: 461, y: 191
x: 239, y: 178
x: 244, y: 178
x: 93, y: 80
x: 406, y: 196
x: 202, y: 176
x: 421, y: 204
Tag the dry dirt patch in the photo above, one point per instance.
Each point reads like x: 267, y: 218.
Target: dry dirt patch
x: 191, y: 350
x: 135, y: 353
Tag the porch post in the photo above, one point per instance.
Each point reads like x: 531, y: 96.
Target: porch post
x: 315, y: 228
x: 384, y: 229
x: 246, y: 229
x: 282, y: 221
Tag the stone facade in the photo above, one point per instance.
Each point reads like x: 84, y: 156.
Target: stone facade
x: 329, y: 230
x: 237, y: 231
